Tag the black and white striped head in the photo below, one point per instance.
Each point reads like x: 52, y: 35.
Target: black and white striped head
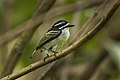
x: 62, y: 24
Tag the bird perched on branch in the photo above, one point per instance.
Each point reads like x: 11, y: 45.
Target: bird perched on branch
x: 54, y: 39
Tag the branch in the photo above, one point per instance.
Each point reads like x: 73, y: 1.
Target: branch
x: 4, y: 26
x: 108, y: 62
x: 21, y: 42
x: 92, y: 67
x: 99, y: 13
x: 56, y: 11
x: 66, y: 51
x: 48, y: 71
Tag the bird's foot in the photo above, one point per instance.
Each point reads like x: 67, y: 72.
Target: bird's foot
x: 45, y: 57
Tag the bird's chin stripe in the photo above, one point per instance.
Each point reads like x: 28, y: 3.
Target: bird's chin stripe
x: 64, y: 25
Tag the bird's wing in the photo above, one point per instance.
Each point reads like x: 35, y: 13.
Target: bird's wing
x: 50, y: 35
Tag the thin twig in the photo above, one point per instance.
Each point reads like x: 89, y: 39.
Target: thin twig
x: 62, y: 10
x: 108, y: 61
x: 91, y: 21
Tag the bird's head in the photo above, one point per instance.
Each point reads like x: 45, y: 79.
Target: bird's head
x: 62, y: 24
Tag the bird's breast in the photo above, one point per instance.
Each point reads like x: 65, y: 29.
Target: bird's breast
x: 65, y: 34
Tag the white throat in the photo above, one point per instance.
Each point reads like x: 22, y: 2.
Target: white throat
x: 66, y: 30
x: 65, y: 33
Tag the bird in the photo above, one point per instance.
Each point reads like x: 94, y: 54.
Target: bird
x: 54, y: 39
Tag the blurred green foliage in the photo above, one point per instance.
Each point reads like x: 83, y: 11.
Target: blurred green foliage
x: 22, y: 10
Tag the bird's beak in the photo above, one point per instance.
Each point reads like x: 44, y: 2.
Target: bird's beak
x: 71, y: 25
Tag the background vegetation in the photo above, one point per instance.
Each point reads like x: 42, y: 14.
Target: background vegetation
x: 24, y: 22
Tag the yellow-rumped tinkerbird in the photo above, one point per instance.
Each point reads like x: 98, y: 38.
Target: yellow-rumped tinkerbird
x: 54, y: 39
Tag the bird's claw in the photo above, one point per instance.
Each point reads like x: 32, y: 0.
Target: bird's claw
x: 45, y: 57
x: 51, y: 55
